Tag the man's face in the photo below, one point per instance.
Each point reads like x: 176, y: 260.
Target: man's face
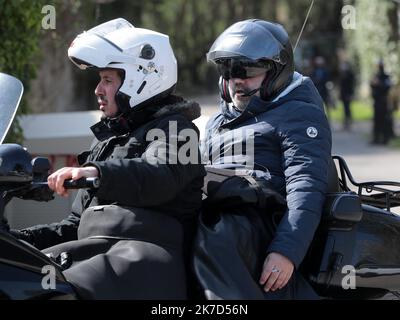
x: 238, y: 87
x: 105, y: 91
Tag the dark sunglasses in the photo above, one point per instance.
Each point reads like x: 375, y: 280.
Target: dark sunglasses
x: 242, y: 69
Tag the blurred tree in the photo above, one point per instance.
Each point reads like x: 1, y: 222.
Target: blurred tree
x: 20, y: 28
x: 59, y: 86
x: 192, y: 26
x: 375, y: 37
x: 322, y: 33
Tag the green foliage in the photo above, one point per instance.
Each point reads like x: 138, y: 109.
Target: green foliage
x: 372, y: 39
x: 20, y: 27
x: 360, y: 110
x: 192, y: 26
x: 395, y: 143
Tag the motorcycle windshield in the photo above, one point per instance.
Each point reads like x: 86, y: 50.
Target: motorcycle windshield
x: 11, y: 90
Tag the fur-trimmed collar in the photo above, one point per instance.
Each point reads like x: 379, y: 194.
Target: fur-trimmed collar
x: 190, y: 109
x: 122, y: 125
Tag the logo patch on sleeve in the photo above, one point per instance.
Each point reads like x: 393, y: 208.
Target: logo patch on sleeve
x: 312, y: 132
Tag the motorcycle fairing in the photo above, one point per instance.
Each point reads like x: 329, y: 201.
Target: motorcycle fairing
x: 11, y: 90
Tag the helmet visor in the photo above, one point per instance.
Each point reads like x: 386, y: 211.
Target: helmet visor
x: 242, y: 69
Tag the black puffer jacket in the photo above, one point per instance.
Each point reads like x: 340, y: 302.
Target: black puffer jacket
x: 292, y: 147
x: 287, y: 145
x: 126, y: 239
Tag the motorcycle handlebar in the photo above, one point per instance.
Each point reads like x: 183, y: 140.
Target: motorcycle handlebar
x: 82, y: 183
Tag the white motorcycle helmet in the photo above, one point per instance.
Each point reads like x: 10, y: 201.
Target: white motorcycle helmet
x: 145, y: 56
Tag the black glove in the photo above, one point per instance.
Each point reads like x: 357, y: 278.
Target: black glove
x: 19, y: 234
x: 4, y: 227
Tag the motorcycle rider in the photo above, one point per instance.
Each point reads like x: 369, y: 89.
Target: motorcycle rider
x: 265, y: 102
x: 129, y: 238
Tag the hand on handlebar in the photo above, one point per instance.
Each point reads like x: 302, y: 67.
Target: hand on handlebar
x: 56, y: 179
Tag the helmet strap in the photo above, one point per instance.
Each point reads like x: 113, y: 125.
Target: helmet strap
x: 268, y: 83
x: 122, y: 101
x: 268, y: 87
x: 118, y: 124
x: 224, y: 90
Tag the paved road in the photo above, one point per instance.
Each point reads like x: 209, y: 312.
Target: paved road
x: 366, y: 162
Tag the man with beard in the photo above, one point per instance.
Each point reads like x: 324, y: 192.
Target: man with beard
x: 252, y: 248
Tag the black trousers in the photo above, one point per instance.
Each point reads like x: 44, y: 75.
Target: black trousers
x: 347, y: 112
x: 126, y: 253
x: 229, y: 254
x: 381, y: 130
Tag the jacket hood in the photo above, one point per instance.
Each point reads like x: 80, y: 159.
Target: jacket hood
x: 189, y: 109
x: 301, y: 89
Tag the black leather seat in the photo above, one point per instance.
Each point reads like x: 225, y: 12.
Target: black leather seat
x: 333, y: 178
x: 333, y: 244
x: 340, y: 208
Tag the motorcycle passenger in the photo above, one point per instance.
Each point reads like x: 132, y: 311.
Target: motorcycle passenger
x: 129, y: 239
x: 278, y: 113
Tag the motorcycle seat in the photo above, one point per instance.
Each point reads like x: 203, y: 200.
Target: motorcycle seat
x: 341, y: 210
x: 333, y: 178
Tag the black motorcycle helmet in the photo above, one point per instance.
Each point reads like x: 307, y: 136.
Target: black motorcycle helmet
x: 15, y: 164
x: 255, y: 43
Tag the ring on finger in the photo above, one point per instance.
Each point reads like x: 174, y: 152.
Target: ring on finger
x: 275, y: 269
